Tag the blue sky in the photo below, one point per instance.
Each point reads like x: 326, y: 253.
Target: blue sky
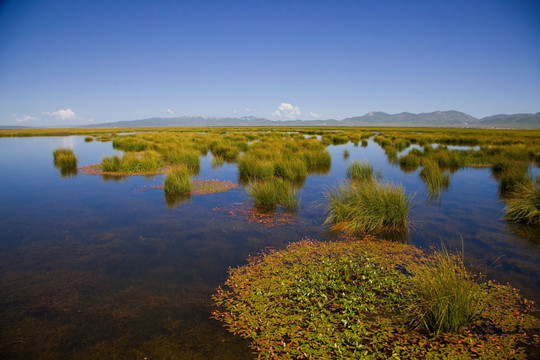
x: 75, y: 62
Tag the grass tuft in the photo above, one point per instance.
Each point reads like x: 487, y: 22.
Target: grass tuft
x: 448, y: 298
x: 368, y: 207
x: 178, y: 180
x: 523, y: 206
x: 434, y: 178
x: 64, y: 158
x: 360, y: 171
x: 268, y: 193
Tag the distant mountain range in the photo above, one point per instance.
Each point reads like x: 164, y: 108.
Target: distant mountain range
x: 433, y: 119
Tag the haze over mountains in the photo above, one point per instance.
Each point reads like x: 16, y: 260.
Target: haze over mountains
x: 433, y: 119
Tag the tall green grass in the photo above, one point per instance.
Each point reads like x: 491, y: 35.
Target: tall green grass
x: 64, y: 158
x: 188, y: 157
x: 267, y: 194
x: 148, y: 161
x: 448, y: 298
x: 434, y: 178
x: 360, y: 171
x: 523, y: 206
x: 178, y: 180
x: 368, y: 207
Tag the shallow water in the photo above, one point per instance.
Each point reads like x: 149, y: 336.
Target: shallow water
x: 93, y: 268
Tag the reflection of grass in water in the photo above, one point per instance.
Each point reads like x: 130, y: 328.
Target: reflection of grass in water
x: 217, y: 162
x: 173, y: 200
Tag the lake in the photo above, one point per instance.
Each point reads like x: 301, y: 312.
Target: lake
x: 93, y: 267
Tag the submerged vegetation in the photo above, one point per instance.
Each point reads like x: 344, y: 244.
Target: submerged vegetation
x: 353, y: 299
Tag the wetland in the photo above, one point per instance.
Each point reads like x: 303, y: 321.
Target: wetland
x: 114, y: 243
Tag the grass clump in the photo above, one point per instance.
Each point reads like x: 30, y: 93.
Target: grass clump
x: 434, y: 178
x: 178, y: 180
x: 187, y: 157
x: 132, y: 163
x: 64, y: 158
x: 346, y: 153
x: 411, y: 161
x: 368, y: 207
x: 267, y: 194
x: 88, y: 139
x: 523, y: 205
x: 293, y: 169
x: 251, y: 167
x: 448, y: 297
x: 360, y: 171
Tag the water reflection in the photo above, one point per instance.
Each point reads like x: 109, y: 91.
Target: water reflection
x: 66, y: 171
x: 173, y: 200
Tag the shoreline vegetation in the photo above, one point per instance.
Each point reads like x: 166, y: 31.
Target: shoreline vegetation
x: 359, y: 297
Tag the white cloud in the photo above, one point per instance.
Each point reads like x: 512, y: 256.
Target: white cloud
x: 249, y: 110
x: 287, y: 111
x: 235, y: 112
x: 62, y: 114
x: 170, y: 112
x: 314, y: 115
x: 24, y: 118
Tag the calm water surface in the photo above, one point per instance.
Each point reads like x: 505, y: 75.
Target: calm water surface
x: 91, y: 267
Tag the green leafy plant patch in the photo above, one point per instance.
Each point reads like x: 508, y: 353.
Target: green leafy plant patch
x: 352, y: 299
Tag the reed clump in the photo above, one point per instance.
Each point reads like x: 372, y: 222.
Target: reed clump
x: 447, y: 297
x: 435, y: 180
x: 178, y: 180
x: 368, y: 207
x: 523, y: 205
x: 145, y: 162
x: 188, y: 157
x: 267, y: 194
x: 360, y: 171
x: 64, y: 158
